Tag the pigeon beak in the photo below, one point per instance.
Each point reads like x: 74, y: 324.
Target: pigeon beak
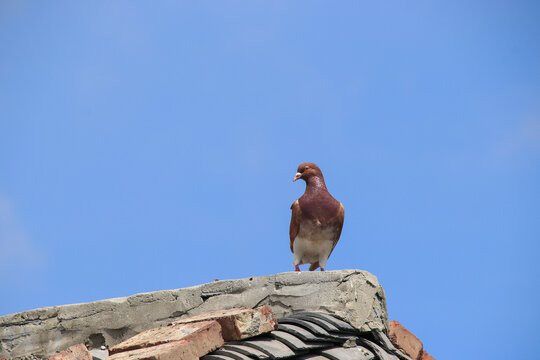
x: 297, y: 176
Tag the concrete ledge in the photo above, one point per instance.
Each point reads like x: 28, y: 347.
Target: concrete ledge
x: 353, y: 295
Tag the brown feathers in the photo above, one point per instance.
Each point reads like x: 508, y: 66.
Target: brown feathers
x: 316, y: 221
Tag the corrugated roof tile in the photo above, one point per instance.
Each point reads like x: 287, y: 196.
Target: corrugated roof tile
x: 340, y: 324
x: 386, y: 344
x: 300, y: 332
x: 217, y: 357
x: 314, y: 328
x: 310, y: 336
x: 295, y: 343
x: 321, y: 322
x: 354, y: 353
x: 378, y: 350
x: 231, y: 354
x: 274, y: 348
x: 312, y: 357
x: 246, y: 350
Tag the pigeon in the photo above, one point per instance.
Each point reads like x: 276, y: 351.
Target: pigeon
x: 316, y: 221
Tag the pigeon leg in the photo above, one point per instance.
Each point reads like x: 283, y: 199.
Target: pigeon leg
x: 322, y: 269
x: 297, y: 268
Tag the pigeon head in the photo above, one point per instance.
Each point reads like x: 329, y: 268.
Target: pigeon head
x: 307, y: 171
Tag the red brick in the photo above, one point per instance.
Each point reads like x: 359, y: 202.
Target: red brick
x: 426, y: 356
x: 239, y: 323
x: 404, y: 340
x: 169, y: 351
x: 75, y: 352
x: 193, y: 339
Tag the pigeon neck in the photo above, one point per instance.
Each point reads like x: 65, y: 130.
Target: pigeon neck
x: 315, y: 183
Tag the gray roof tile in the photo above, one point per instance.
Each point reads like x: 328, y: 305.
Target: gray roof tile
x: 231, y: 354
x: 340, y: 324
x: 295, y: 343
x: 314, y: 328
x: 379, y: 351
x: 310, y: 336
x: 383, y: 340
x: 317, y: 330
x: 321, y: 322
x: 246, y: 350
x: 276, y: 349
x: 300, y: 332
x: 216, y: 357
x: 312, y: 357
x: 353, y: 353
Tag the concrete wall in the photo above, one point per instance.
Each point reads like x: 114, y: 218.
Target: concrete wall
x: 352, y: 295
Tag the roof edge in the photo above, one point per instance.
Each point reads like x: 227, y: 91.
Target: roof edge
x: 352, y: 295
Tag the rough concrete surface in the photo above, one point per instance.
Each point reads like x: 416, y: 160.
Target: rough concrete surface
x: 353, y: 295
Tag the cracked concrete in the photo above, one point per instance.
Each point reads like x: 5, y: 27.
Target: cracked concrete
x: 353, y: 295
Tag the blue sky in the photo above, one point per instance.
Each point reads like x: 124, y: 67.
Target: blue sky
x: 151, y: 145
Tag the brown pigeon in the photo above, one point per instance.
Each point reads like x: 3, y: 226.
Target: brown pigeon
x: 316, y: 222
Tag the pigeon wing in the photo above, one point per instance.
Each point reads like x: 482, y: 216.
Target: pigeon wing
x: 340, y: 217
x: 295, y: 222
